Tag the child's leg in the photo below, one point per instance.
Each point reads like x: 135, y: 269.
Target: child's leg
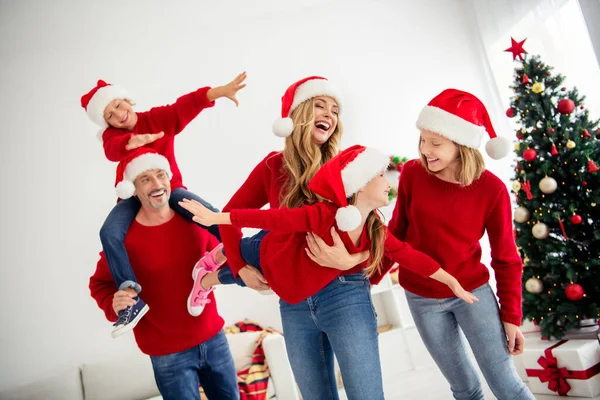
x: 250, y: 250
x: 178, y: 195
x: 206, y: 277
x: 112, y: 236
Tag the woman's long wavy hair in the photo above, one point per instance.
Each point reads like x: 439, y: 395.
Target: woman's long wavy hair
x: 302, y: 157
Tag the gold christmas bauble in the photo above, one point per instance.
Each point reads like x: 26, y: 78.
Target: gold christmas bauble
x: 534, y: 286
x: 548, y: 185
x: 537, y: 87
x: 522, y: 215
x: 516, y: 186
x: 570, y: 144
x: 540, y: 230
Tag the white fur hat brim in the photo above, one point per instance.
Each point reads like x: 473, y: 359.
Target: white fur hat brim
x: 458, y: 130
x: 137, y: 166
x: 102, y: 97
x: 314, y: 88
x: 363, y: 169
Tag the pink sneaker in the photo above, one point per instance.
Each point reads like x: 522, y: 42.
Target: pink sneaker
x: 208, y: 262
x: 198, y: 297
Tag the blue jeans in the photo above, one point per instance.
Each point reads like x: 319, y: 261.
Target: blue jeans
x: 114, y: 230
x: 339, y: 319
x: 439, y: 322
x: 250, y: 251
x: 209, y: 364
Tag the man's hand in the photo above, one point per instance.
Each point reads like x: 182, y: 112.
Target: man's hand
x: 253, y: 278
x: 335, y: 256
x: 229, y: 91
x: 515, y: 338
x: 123, y: 299
x: 136, y: 141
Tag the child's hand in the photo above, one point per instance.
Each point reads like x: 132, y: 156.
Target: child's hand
x: 229, y: 91
x: 136, y: 141
x: 202, y: 215
x: 461, y: 293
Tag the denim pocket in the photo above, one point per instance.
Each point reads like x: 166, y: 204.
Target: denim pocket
x: 356, y: 279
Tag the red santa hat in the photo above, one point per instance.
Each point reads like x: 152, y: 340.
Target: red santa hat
x: 462, y: 118
x: 298, y: 93
x: 95, y: 101
x: 140, y: 161
x: 343, y: 176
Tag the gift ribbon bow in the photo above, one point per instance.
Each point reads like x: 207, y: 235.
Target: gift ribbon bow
x: 557, y: 377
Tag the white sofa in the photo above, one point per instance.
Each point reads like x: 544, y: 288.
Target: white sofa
x: 132, y: 378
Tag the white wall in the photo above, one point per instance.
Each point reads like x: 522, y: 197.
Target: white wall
x: 388, y: 57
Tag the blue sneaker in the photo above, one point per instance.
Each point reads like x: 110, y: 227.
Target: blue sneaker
x: 129, y: 317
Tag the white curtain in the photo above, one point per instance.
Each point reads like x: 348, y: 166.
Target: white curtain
x: 555, y: 29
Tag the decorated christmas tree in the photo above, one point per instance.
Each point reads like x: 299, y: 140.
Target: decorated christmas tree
x: 557, y: 188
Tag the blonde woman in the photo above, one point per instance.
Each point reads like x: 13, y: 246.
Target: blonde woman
x: 338, y: 316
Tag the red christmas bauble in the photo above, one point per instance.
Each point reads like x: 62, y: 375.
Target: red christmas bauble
x: 576, y: 219
x: 584, y: 183
x: 566, y: 106
x: 510, y: 112
x: 574, y: 292
x: 529, y: 154
x: 581, y: 108
x: 551, y: 130
x: 564, y: 88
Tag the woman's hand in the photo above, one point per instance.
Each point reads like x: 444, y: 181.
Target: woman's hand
x: 335, y: 256
x: 514, y: 337
x: 202, y: 215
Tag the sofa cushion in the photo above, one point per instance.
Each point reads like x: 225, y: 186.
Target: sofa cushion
x: 242, y: 347
x: 128, y: 377
x: 62, y: 386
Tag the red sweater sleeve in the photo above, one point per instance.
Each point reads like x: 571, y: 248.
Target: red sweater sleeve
x: 254, y: 193
x: 506, y: 262
x: 308, y: 218
x: 170, y: 119
x: 399, y: 221
x: 402, y: 253
x: 173, y: 118
x: 114, y: 141
x: 103, y: 287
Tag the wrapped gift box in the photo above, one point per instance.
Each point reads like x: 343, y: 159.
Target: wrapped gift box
x: 566, y: 367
